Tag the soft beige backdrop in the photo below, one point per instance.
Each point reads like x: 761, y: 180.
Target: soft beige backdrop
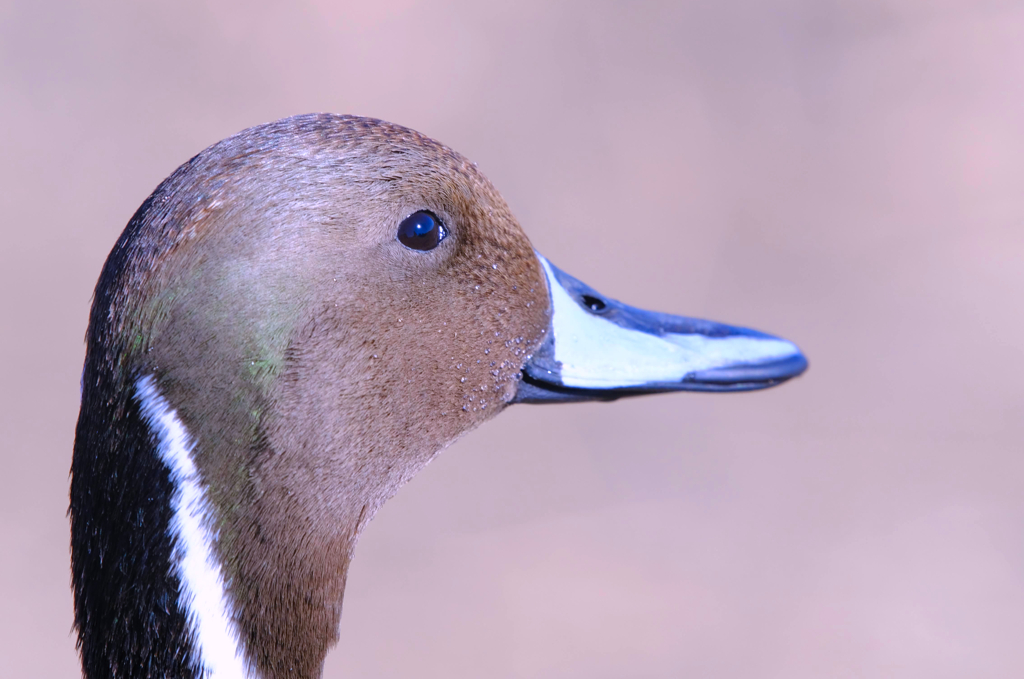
x: 846, y: 173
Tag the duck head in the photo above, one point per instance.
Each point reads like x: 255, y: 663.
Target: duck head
x: 295, y: 322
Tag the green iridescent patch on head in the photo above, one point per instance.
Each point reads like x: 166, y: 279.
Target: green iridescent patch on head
x: 263, y: 368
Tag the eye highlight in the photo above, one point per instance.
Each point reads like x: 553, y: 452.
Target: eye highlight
x: 422, y: 230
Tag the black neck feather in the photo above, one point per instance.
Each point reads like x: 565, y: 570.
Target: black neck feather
x: 127, y: 612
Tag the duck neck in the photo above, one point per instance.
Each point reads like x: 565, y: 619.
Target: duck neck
x: 169, y: 582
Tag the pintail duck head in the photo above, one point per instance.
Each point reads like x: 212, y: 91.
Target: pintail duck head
x: 295, y: 322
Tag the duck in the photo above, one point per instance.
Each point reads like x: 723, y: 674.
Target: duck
x: 291, y: 325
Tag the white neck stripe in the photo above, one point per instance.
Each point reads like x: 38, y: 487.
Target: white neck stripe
x: 202, y: 595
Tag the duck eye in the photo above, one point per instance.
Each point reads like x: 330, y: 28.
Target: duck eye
x: 421, y: 230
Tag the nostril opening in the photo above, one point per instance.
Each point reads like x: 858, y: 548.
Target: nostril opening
x: 595, y: 304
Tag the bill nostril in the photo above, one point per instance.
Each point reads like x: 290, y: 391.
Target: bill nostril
x: 595, y: 304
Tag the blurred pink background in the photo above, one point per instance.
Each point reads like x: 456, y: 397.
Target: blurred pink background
x: 846, y: 173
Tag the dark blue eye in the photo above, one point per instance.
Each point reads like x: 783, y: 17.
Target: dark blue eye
x: 421, y: 230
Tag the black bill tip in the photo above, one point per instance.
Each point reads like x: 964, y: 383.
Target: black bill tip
x: 756, y: 376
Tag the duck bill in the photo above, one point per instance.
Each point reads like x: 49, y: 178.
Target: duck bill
x: 598, y: 348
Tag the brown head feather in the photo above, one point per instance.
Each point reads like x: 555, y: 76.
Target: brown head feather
x: 317, y: 361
